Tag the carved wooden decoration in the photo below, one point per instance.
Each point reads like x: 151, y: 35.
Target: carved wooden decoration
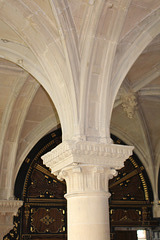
x: 43, y: 215
x: 127, y: 184
x: 42, y: 185
x: 47, y: 220
x: 131, y: 200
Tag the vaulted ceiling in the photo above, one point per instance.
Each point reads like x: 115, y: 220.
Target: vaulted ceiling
x: 27, y: 112
x: 136, y: 110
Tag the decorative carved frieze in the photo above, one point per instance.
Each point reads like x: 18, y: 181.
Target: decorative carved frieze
x: 10, y: 206
x: 85, y: 152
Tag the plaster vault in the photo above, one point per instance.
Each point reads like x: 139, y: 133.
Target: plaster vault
x: 75, y: 63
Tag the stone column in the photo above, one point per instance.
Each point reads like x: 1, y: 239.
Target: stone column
x: 8, y: 208
x: 86, y: 167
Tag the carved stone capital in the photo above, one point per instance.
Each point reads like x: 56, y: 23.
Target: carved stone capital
x: 85, y: 152
x: 90, y: 179
x: 86, y: 166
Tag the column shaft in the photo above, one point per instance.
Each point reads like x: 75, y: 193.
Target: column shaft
x: 88, y: 217
x: 87, y: 167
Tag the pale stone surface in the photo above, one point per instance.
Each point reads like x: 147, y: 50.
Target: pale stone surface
x: 8, y: 208
x: 86, y: 168
x: 88, y: 217
x: 74, y: 152
x: 156, y: 210
x: 80, y: 52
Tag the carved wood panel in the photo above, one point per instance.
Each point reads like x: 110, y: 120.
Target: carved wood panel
x: 43, y: 215
x: 47, y: 220
x: 42, y: 185
x: 127, y: 184
x: 44, y: 218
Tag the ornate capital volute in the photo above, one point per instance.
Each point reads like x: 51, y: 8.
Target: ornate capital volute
x: 86, y: 178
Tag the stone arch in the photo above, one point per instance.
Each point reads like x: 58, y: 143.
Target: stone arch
x: 132, y: 46
x: 32, y: 169
x: 8, y: 53
x: 33, y: 138
x: 26, y: 62
x: 44, y: 40
x: 128, y: 51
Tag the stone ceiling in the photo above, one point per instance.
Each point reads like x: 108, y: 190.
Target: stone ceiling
x: 27, y: 112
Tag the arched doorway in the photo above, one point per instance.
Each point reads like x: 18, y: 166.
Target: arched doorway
x: 43, y: 214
